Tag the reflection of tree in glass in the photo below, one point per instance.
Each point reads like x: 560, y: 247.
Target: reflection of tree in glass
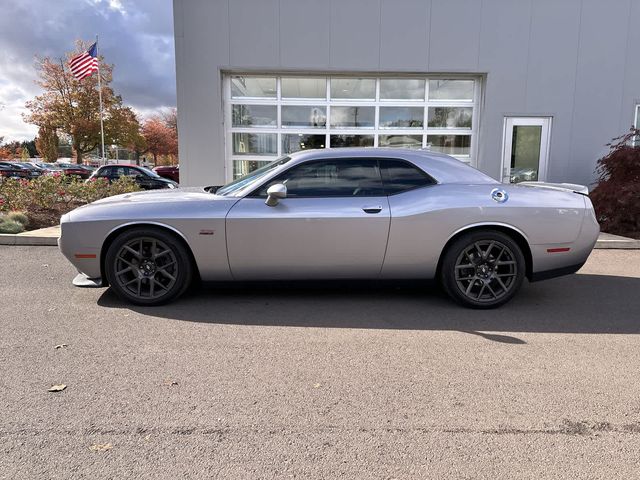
x: 449, y: 117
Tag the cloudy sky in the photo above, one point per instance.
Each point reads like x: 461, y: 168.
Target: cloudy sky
x: 135, y: 35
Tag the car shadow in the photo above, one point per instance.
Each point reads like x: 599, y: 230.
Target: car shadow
x: 579, y: 303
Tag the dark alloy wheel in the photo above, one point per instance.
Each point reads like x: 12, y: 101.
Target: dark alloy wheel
x: 483, y: 269
x: 148, y: 266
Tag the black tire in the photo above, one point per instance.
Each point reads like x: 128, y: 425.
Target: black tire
x: 148, y: 266
x: 482, y: 269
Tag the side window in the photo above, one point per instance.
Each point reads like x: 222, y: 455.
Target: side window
x: 400, y: 176
x: 330, y: 178
x: 105, y: 172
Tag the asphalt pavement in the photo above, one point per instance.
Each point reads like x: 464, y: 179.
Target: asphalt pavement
x: 319, y: 381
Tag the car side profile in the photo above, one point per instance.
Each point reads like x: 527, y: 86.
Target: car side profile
x: 356, y: 213
x: 145, y: 178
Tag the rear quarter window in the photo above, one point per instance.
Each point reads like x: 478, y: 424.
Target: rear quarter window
x: 401, y: 176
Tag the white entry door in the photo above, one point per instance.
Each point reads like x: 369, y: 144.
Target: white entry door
x: 525, y: 149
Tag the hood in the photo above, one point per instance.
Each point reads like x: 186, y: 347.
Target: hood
x: 159, y: 196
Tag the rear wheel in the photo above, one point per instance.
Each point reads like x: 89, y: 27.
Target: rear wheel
x: 148, y: 266
x: 483, y: 269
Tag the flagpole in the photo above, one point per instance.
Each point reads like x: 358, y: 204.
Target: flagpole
x: 104, y: 162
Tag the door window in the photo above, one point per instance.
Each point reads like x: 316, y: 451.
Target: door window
x: 330, y: 178
x: 526, y: 147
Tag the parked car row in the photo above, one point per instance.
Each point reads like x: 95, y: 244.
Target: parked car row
x: 29, y: 170
x: 160, y: 177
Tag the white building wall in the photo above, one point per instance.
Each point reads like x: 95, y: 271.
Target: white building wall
x: 574, y: 60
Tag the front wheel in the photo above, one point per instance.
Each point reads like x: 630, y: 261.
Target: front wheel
x: 483, y: 269
x: 148, y: 266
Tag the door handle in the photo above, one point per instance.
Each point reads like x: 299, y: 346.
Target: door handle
x: 376, y: 209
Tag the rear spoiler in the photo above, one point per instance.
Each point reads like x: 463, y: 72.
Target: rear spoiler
x: 566, y: 187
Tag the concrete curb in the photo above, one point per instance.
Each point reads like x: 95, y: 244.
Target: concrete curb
x: 629, y: 244
x: 27, y: 240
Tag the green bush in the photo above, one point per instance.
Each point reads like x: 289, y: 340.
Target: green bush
x: 10, y: 226
x: 46, y: 198
x: 19, y: 217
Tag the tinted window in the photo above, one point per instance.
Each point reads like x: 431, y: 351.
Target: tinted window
x: 400, y: 176
x: 330, y: 178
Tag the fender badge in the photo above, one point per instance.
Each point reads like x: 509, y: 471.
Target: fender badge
x: 206, y: 232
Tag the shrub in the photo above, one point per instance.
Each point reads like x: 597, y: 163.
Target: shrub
x: 18, y: 217
x: 616, y: 198
x: 10, y: 226
x: 46, y: 198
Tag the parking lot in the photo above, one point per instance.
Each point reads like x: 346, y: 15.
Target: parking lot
x: 348, y: 380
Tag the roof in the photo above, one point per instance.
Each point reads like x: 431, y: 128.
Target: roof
x: 442, y: 167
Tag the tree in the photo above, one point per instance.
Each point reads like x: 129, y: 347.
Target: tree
x: 71, y: 106
x: 47, y: 143
x: 160, y: 138
x: 616, y: 198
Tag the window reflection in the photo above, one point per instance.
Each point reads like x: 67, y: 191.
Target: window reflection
x: 400, y: 141
x: 402, y: 89
x: 353, y: 88
x: 450, y: 144
x: 449, y: 117
x: 451, y: 89
x: 299, y: 141
x: 254, y: 115
x: 253, y: 87
x: 338, y: 141
x: 303, y: 116
x: 255, y: 144
x: 354, y: 117
x: 293, y: 87
x: 401, y: 117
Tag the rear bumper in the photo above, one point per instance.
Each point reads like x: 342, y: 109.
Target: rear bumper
x: 555, y: 272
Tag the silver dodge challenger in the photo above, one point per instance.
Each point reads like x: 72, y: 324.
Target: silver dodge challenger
x: 356, y: 213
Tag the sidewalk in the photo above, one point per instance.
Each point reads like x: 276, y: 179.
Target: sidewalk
x: 49, y: 236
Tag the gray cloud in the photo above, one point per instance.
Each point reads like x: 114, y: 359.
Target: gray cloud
x: 135, y: 35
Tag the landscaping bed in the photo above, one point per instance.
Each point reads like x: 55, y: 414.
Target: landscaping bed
x: 39, y: 203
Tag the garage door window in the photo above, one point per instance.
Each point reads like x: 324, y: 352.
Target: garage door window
x: 267, y: 116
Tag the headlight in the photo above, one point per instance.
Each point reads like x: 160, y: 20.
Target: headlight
x: 171, y: 185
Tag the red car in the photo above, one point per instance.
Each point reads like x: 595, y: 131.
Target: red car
x: 172, y: 172
x: 73, y: 170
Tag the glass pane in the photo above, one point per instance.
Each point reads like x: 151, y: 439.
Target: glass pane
x: 401, y: 117
x: 299, y: 141
x: 525, y: 152
x: 449, y: 117
x: 304, y: 87
x: 399, y: 176
x: 353, y: 117
x: 254, y: 115
x: 402, y: 89
x: 243, y: 167
x: 331, y: 178
x: 253, y: 87
x: 400, y: 141
x: 450, y: 144
x: 351, y: 141
x: 255, y: 144
x: 303, y: 116
x: 451, y: 89
x: 358, y: 88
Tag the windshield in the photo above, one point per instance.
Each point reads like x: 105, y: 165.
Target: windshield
x: 242, y: 182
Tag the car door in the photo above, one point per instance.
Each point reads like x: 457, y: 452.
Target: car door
x: 334, y: 223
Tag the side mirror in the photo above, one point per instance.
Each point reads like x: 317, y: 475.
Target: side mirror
x: 275, y: 193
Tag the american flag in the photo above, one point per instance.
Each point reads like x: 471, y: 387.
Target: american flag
x: 85, y: 64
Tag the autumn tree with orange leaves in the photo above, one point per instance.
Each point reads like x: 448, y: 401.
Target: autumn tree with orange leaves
x: 161, y: 135
x: 71, y: 106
